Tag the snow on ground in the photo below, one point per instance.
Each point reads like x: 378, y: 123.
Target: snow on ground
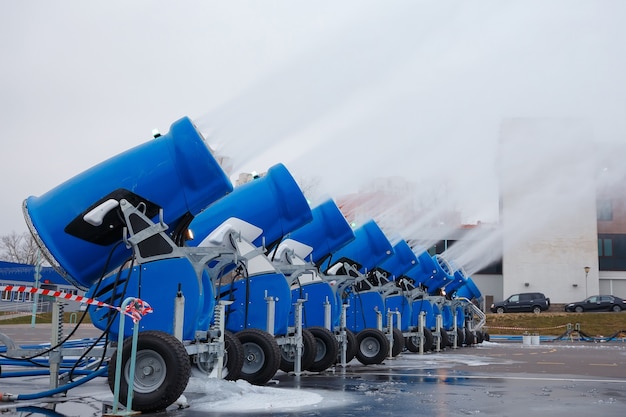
x: 241, y: 396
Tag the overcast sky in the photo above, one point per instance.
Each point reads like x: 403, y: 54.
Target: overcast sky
x: 338, y: 91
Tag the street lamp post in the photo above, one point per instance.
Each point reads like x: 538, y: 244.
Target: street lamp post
x: 586, y: 275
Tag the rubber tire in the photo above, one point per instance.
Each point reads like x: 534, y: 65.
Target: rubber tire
x: 480, y: 337
x: 412, y: 343
x: 500, y: 310
x: 327, y: 349
x: 616, y: 309
x: 578, y: 309
x: 470, y: 338
x: 288, y: 353
x: 372, y: 346
x: 166, y: 385
x: 486, y: 337
x: 460, y: 337
x: 261, y: 356
x: 233, y: 358
x: 536, y: 309
x: 445, y: 340
x: 398, y: 342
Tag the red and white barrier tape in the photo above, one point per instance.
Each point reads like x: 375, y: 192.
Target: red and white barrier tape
x: 135, y: 309
x: 526, y: 328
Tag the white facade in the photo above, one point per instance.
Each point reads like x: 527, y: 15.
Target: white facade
x: 548, y: 209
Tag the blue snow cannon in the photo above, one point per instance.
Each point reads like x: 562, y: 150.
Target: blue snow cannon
x: 402, y: 260
x: 326, y: 233
x: 264, y: 209
x: 469, y: 290
x: 77, y: 224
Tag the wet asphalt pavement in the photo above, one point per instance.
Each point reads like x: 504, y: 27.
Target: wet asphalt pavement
x: 496, y: 378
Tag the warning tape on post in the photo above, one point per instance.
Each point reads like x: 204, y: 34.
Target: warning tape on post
x: 135, y: 310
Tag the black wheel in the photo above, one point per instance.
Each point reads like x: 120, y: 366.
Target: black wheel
x: 372, y: 346
x: 261, y: 356
x: 470, y: 339
x: 445, y: 340
x: 412, y: 342
x: 616, y: 309
x: 578, y: 309
x: 327, y: 349
x: 162, y: 371
x: 500, y: 310
x: 536, y: 309
x: 429, y: 339
x: 486, y: 337
x: 480, y: 336
x: 398, y: 342
x: 460, y: 337
x: 233, y: 358
x: 288, y: 353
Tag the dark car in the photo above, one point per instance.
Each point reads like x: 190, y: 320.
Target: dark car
x: 598, y: 303
x: 534, y: 302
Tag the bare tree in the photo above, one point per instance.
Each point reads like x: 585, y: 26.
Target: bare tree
x: 20, y: 248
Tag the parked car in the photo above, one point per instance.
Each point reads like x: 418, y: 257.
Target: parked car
x: 535, y: 302
x: 598, y: 303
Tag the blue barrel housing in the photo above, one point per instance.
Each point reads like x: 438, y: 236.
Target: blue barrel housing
x: 273, y: 202
x: 438, y: 271
x: 317, y: 295
x: 422, y: 305
x: 458, y: 280
x: 176, y: 172
x: 361, y: 313
x: 249, y: 307
x: 469, y: 290
x: 369, y: 248
x: 326, y: 233
x: 402, y: 261
x: 158, y: 283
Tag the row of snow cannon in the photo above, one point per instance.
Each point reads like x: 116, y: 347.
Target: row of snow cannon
x: 242, y: 281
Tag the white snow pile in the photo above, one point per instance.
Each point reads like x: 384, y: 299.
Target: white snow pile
x: 241, y: 396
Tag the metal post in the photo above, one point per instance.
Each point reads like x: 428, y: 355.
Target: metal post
x: 118, y: 365
x: 439, y: 319
x: 179, y: 314
x: 456, y: 333
x: 271, y: 311
x: 422, y: 323
x: 390, y: 332
x: 36, y: 296
x: 343, y: 331
x: 327, y: 314
x: 299, y: 345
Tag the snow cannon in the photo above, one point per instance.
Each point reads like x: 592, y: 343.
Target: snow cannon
x: 469, y: 290
x: 459, y: 279
x: 273, y: 202
x: 369, y: 248
x: 326, y: 233
x: 317, y: 240
x: 436, y: 271
x: 265, y: 209
x: 77, y: 225
x: 390, y: 270
x: 403, y: 260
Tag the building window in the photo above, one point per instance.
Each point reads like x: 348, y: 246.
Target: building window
x: 605, y: 247
x: 605, y: 210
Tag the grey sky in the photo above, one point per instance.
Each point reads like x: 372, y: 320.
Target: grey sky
x: 340, y: 91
